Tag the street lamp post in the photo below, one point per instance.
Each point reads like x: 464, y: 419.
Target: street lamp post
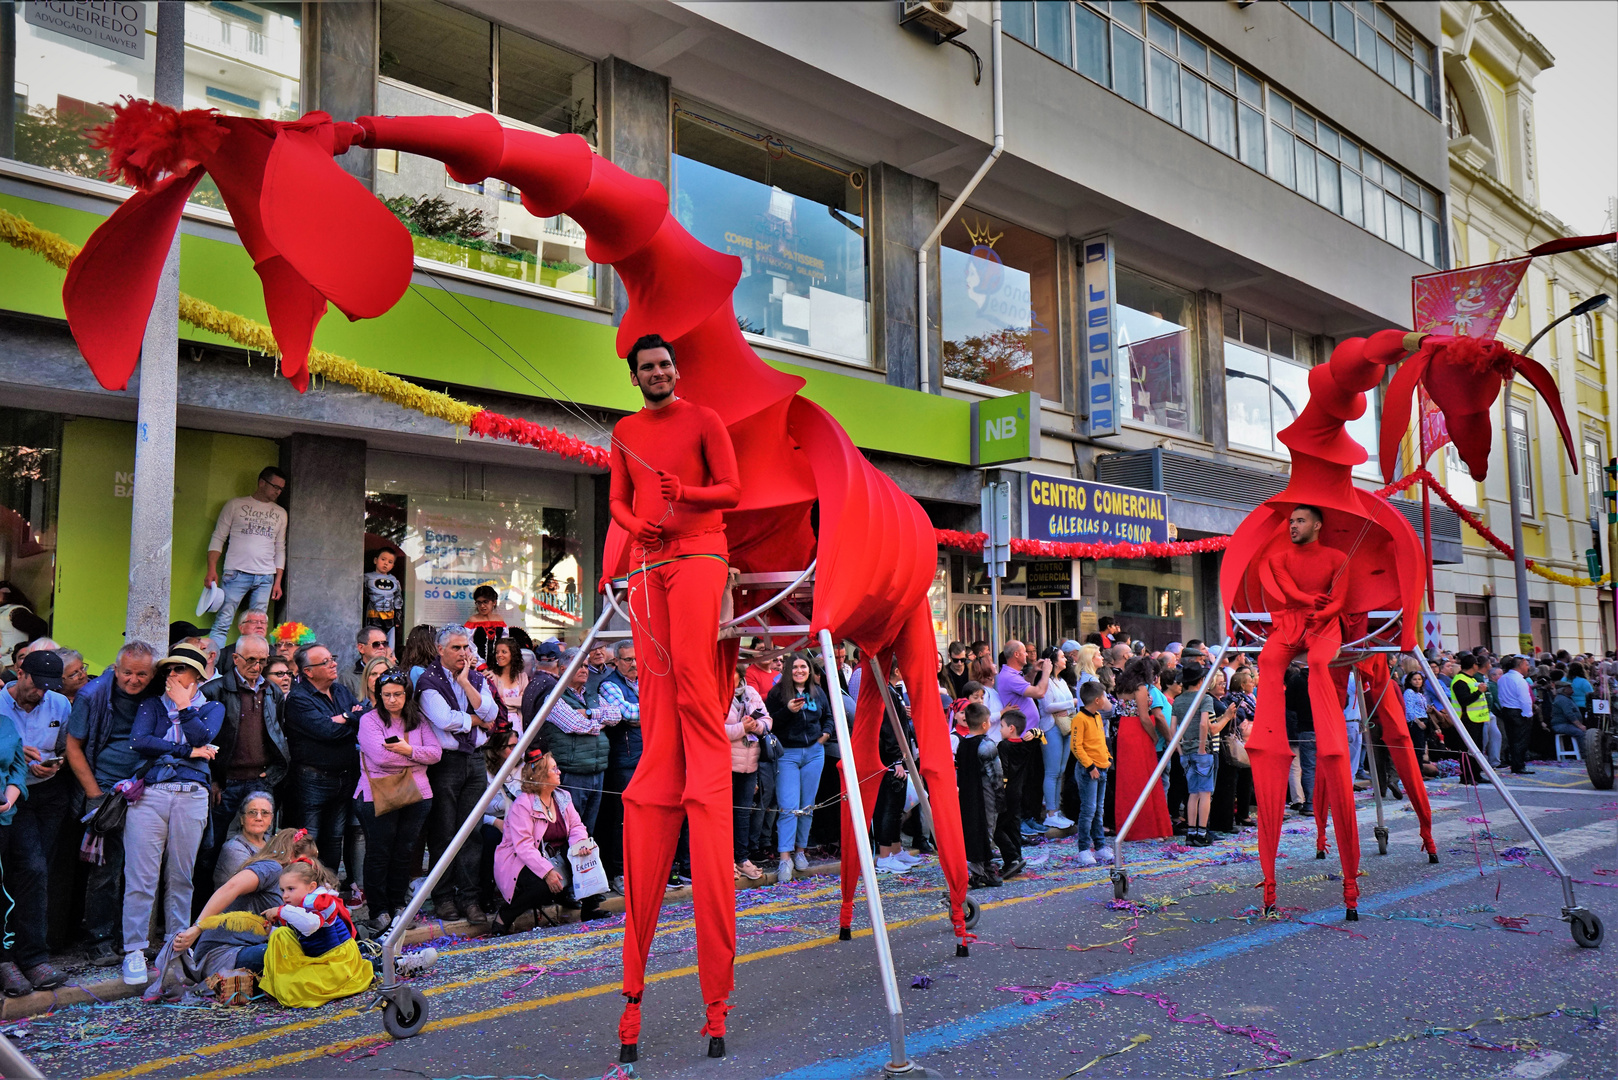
x: 1525, y: 635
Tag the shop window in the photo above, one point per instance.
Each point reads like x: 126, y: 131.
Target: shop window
x: 998, y: 287
x: 30, y: 465
x: 1152, y: 600
x: 439, y: 61
x: 1154, y: 334
x: 795, y: 218
x: 241, y: 58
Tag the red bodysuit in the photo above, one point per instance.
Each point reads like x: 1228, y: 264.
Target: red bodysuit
x: 676, y: 580
x: 1304, y: 582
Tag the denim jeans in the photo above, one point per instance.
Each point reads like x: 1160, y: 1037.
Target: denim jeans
x: 325, y: 801
x: 797, y: 780
x: 1055, y: 751
x: 161, y: 836
x: 1306, y: 763
x: 1356, y: 744
x: 1491, y: 741
x: 104, y: 885
x: 1092, y: 793
x: 762, y: 820
x: 255, y: 587
x: 22, y: 861
x: 390, y: 840
x: 585, y: 790
x: 743, y: 786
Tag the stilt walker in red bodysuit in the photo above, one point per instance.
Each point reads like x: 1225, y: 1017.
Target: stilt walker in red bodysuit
x: 1304, y: 575
x: 673, y: 471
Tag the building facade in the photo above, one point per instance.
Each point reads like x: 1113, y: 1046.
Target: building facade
x: 1250, y: 184
x: 1490, y: 64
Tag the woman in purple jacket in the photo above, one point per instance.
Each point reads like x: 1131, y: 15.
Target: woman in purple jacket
x: 393, y: 740
x: 530, y: 866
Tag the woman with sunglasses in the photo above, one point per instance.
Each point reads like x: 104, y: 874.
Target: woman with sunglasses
x: 393, y: 740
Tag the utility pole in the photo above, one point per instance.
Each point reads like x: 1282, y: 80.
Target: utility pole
x: 151, y: 531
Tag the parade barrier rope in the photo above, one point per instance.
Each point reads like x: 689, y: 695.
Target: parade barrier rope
x: 58, y: 251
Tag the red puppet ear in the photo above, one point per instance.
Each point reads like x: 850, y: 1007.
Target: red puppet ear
x: 335, y: 234
x: 110, y: 287
x: 1396, y: 411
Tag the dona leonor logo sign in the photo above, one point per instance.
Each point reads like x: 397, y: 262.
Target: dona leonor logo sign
x: 1060, y: 509
x: 119, y: 27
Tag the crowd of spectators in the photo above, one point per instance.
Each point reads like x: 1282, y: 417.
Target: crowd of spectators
x: 187, y: 781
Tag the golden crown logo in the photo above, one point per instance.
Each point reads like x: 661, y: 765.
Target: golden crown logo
x: 980, y: 234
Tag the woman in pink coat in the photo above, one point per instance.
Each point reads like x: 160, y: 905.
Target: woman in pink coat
x: 530, y: 865
x: 394, y: 737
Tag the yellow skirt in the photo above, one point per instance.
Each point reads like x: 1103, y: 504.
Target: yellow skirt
x: 303, y: 982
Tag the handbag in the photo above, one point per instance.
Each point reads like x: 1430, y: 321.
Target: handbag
x: 1236, y: 751
x: 391, y: 791
x: 769, y: 747
x: 108, y: 818
x: 1064, y: 724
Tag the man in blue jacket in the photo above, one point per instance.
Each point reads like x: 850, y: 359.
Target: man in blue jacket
x: 322, y: 728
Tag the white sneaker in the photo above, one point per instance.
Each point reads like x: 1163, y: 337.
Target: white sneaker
x: 1087, y: 858
x: 907, y: 858
x: 889, y: 865
x: 1104, y: 854
x: 783, y: 870
x: 417, y: 962
x: 1057, y: 821
x: 800, y: 861
x: 135, y: 968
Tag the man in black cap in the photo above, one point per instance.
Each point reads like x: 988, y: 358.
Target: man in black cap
x: 35, y: 706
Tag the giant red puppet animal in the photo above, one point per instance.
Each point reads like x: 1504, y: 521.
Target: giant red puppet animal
x: 317, y: 234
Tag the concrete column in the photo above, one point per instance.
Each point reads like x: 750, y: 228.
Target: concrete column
x: 632, y: 109
x: 325, y: 504
x: 1211, y: 349
x: 340, y: 65
x: 151, y: 532
x: 902, y: 210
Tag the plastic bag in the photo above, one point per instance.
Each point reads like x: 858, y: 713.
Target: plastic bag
x: 589, y: 876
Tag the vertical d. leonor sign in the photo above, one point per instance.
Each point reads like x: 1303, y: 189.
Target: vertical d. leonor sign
x: 1106, y: 388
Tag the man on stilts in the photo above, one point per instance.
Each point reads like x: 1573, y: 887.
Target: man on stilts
x: 673, y: 472
x: 1302, y: 578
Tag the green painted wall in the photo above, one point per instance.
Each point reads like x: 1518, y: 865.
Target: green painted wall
x: 92, y: 553
x: 442, y: 345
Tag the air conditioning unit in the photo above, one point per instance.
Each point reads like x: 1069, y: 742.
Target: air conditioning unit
x: 946, y: 18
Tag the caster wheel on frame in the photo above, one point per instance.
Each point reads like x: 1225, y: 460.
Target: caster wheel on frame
x: 406, y: 1021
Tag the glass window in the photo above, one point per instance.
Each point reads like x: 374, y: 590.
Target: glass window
x: 1017, y: 17
x: 1222, y: 121
x: 796, y: 221
x: 1343, y: 27
x: 243, y: 59
x: 1305, y: 169
x: 1155, y: 335
x: 546, y: 86
x: 997, y: 284
x: 1222, y: 71
x: 1156, y: 602
x: 1303, y: 125
x: 1458, y: 478
x: 1252, y: 132
x: 1429, y: 240
x: 1404, y: 74
x: 1165, y: 87
x: 484, y: 227
x: 1523, y: 460
x: 1373, y: 209
x: 1247, y: 398
x: 30, y: 475
x: 1320, y: 14
x: 1194, y: 104
x: 1289, y: 383
x: 1160, y: 32
x: 1090, y: 56
x: 1327, y: 183
x: 1326, y: 139
x: 1394, y: 217
x: 1193, y: 52
x: 1412, y: 228
x: 1365, y: 432
x: 1249, y: 89
x: 1353, y: 203
x: 1128, y: 12
x: 1384, y: 58
x: 1349, y: 152
x: 1373, y: 168
x: 1281, y: 161
x: 1280, y: 109
x: 1129, y: 66
x: 1052, y: 29
x: 438, y: 48
x: 1365, y: 43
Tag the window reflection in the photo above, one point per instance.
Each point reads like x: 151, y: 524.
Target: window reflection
x: 796, y: 221
x: 998, y: 287
x: 1155, y: 340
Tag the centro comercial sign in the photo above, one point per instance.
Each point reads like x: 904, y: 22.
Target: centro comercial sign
x: 1060, y: 509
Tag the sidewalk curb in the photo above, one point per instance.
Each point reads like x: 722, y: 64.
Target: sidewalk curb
x: 115, y: 989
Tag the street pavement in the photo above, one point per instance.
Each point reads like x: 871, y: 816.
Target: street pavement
x: 1187, y: 980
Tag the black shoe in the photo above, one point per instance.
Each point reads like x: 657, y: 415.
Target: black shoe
x: 106, y: 954
x: 1522, y: 772
x: 1012, y: 869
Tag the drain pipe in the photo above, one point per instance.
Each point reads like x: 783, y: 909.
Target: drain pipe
x: 971, y: 186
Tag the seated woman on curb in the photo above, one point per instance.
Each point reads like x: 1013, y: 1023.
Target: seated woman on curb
x: 248, y: 835
x: 531, y: 868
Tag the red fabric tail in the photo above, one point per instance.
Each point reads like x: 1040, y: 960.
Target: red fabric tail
x: 715, y: 1023
x: 865, y: 731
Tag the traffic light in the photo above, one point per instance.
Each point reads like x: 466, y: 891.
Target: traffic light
x: 1592, y: 560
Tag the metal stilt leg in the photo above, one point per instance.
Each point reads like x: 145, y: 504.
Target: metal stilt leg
x: 1370, y: 758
